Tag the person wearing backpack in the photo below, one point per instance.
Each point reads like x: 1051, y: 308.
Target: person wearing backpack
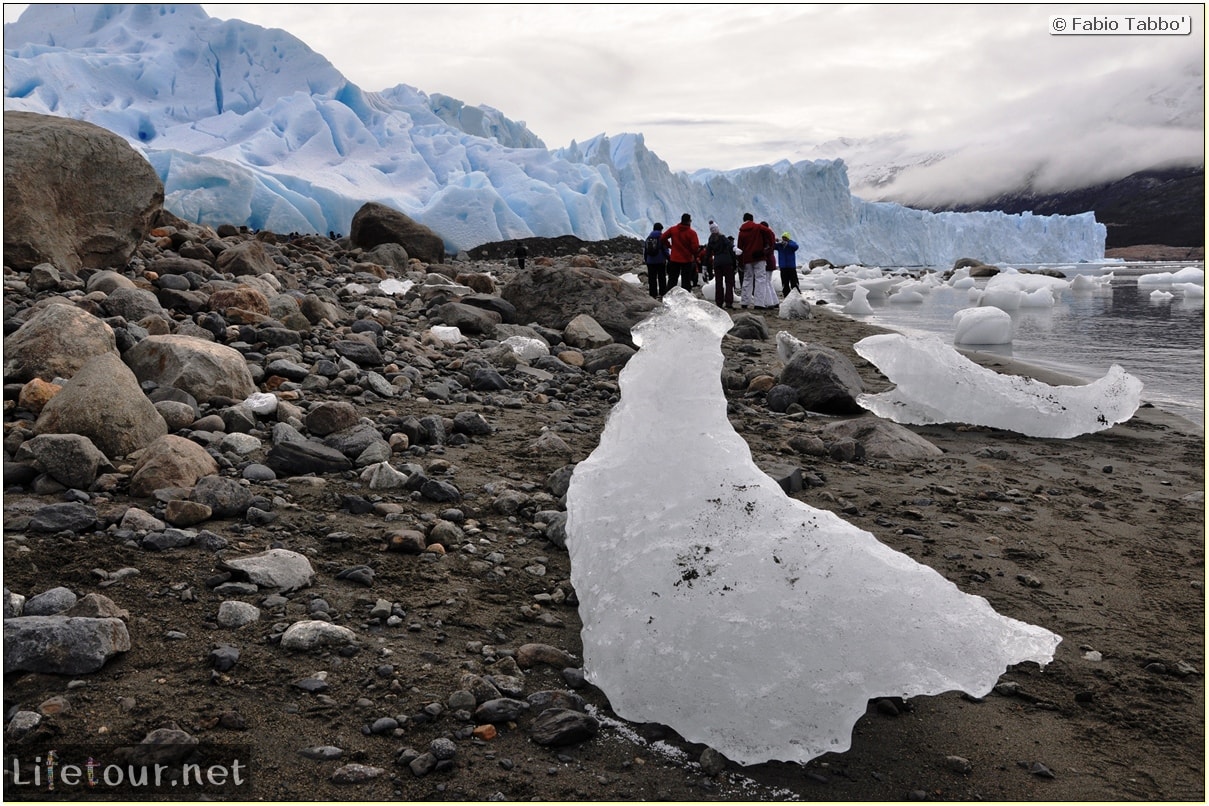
x: 684, y: 246
x: 654, y: 255
x: 720, y: 254
x: 787, y: 262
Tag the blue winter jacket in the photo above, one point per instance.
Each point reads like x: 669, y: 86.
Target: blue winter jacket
x: 662, y: 255
x: 785, y: 256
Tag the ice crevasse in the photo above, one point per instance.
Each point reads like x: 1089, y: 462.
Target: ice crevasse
x: 744, y: 619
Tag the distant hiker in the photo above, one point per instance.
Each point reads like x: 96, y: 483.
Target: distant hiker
x: 520, y: 254
x: 684, y: 246
x: 753, y: 242
x: 654, y: 255
x: 721, y: 256
x: 787, y: 262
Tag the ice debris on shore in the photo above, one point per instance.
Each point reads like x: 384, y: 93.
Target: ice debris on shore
x: 744, y: 619
x: 937, y: 384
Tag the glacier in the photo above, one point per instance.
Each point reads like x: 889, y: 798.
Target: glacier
x: 247, y: 125
x: 742, y: 618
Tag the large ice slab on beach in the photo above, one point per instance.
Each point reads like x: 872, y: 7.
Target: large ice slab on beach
x: 937, y: 384
x: 742, y: 618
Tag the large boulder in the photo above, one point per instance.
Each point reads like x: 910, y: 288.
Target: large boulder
x: 103, y: 401
x: 62, y: 644
x: 554, y: 296
x: 826, y: 381
x: 170, y: 461
x: 55, y: 342
x: 376, y: 224
x: 70, y: 459
x: 75, y: 195
x: 882, y: 439
x: 202, y: 368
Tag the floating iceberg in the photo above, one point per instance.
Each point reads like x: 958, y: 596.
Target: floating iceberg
x: 936, y: 384
x: 740, y: 617
x: 982, y: 326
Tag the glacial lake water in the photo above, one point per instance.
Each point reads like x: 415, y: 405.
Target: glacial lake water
x: 1082, y: 335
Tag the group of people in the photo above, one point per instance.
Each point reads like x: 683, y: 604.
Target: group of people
x: 676, y: 256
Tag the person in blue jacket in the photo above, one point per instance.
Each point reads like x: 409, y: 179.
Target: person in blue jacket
x: 654, y: 255
x: 787, y: 262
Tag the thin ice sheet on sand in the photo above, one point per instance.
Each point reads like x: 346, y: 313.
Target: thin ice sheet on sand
x: 742, y: 618
x: 937, y: 384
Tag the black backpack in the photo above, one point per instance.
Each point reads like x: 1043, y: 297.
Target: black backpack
x: 653, y: 247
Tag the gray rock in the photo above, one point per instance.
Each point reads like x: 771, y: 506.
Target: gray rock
x: 72, y: 516
x: 226, y: 497
x: 62, y: 644
x: 470, y: 422
x: 584, y: 332
x: 299, y: 458
x: 168, y: 539
x: 21, y: 725
x: 70, y: 459
x: 305, y: 635
x: 608, y: 357
x: 133, y: 304
x: 501, y: 709
x: 557, y: 727
x: 882, y: 438
x: 359, y: 352
x: 50, y: 603
x: 234, y: 614
x: 247, y: 258
x: 826, y: 381
x: 203, y: 369
x: 556, y: 295
x: 275, y: 568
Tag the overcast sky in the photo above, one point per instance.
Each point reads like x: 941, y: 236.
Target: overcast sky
x: 723, y: 86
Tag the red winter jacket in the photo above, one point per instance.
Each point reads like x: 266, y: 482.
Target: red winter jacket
x: 753, y: 240
x: 684, y: 243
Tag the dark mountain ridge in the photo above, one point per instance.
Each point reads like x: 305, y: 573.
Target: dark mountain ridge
x: 1149, y: 207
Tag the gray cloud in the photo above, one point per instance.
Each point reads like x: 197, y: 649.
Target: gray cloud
x: 723, y: 86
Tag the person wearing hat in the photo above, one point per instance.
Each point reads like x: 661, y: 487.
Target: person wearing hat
x: 787, y: 262
x: 684, y: 247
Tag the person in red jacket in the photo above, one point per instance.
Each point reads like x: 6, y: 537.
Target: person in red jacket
x: 684, y: 247
x: 754, y: 239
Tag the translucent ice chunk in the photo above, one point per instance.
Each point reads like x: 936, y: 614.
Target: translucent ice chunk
x: 982, y: 326
x: 740, y: 617
x: 937, y: 384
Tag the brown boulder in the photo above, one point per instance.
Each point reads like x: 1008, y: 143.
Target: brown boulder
x: 103, y: 402
x: 75, y: 195
x: 170, y: 461
x: 56, y: 341
x: 376, y: 224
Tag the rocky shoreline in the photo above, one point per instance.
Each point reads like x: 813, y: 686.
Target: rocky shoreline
x: 344, y: 551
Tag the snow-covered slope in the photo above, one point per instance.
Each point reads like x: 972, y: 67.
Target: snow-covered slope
x: 249, y: 125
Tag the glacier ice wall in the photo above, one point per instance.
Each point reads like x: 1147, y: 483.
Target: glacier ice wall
x: 742, y: 618
x: 937, y: 384
x: 249, y: 125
